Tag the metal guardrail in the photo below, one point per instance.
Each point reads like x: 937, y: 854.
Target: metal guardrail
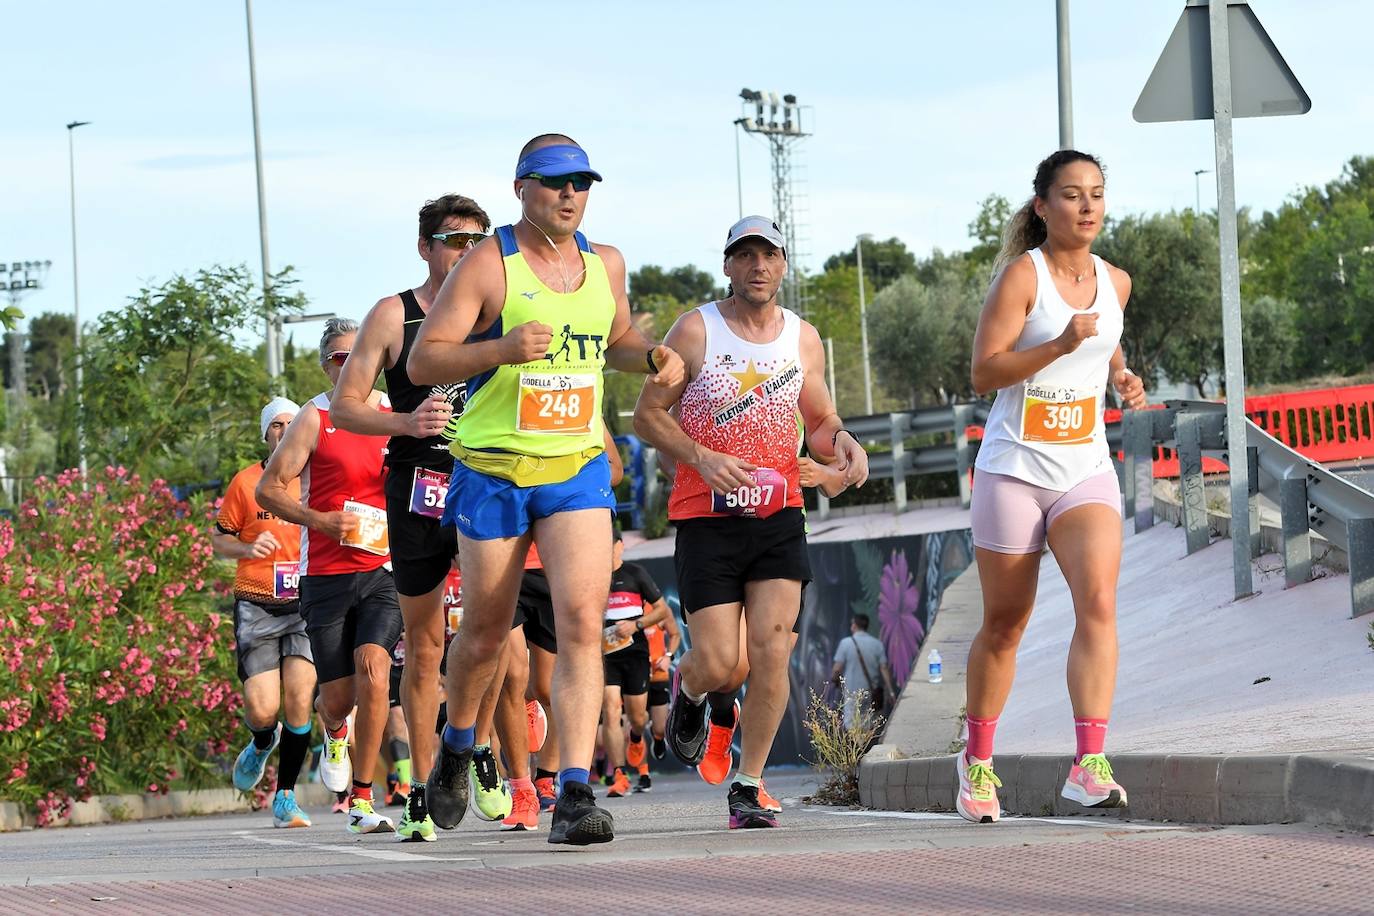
x: 1310, y: 497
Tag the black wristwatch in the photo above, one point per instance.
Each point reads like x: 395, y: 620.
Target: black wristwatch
x: 837, y: 435
x: 649, y: 359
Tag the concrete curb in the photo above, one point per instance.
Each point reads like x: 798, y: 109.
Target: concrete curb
x: 1334, y: 789
x: 113, y: 809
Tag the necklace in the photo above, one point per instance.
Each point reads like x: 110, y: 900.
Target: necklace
x: 1078, y: 275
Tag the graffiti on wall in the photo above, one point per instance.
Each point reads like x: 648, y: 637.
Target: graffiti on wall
x: 896, y: 581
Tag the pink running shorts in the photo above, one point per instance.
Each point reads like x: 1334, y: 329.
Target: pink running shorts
x: 1011, y: 516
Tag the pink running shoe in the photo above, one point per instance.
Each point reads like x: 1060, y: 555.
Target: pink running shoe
x: 978, y: 784
x: 538, y: 724
x: 1090, y: 784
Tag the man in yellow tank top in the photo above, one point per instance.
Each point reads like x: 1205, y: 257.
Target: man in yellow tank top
x: 530, y: 318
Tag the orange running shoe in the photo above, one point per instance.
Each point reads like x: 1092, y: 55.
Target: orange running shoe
x: 547, y: 792
x: 620, y: 786
x: 538, y: 724
x: 635, y: 752
x: 524, y: 810
x: 768, y: 802
x: 719, y: 758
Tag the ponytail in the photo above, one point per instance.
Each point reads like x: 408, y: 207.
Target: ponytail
x: 1026, y: 229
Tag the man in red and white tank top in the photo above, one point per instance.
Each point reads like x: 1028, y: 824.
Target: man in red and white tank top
x: 736, y: 499
x: 347, y: 595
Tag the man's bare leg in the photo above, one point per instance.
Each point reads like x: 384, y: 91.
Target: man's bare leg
x: 424, y: 629
x: 771, y: 606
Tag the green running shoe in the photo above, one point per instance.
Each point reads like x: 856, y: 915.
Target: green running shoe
x: 416, y: 825
x: 490, y: 794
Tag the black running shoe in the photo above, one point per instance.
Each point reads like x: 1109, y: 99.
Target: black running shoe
x: 745, y: 810
x: 446, y: 791
x: 659, y: 749
x: 687, y: 726
x: 577, y: 821
x: 645, y: 783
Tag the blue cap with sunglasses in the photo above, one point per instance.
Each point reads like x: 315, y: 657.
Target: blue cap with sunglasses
x: 555, y: 162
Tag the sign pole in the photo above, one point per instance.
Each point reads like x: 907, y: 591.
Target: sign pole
x: 1234, y: 353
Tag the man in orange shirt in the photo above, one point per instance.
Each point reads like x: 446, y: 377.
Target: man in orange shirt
x: 273, y: 648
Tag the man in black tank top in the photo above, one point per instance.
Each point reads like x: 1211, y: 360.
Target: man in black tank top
x: 418, y: 465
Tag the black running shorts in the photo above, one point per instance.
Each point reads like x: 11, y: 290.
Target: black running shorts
x: 345, y: 611
x: 628, y: 669
x: 658, y: 693
x: 536, y: 603
x: 421, y: 548
x: 716, y: 556
x: 393, y: 696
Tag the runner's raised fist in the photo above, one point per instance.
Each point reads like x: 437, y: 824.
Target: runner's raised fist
x: 430, y: 418
x: 527, y: 342
x: 1080, y: 328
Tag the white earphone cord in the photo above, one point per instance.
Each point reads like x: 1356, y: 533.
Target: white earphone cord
x: 562, y: 263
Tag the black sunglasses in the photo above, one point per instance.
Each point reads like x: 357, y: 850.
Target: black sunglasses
x: 581, y: 181
x: 459, y: 239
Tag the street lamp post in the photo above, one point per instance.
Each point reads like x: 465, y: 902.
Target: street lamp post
x: 1061, y: 22
x: 863, y: 322
x: 1197, y: 189
x: 273, y: 336
x: 76, y: 311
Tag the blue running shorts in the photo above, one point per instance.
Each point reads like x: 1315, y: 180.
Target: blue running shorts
x: 485, y: 508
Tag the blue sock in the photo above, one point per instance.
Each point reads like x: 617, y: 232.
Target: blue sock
x: 299, y: 729
x: 459, y: 739
x: 572, y: 775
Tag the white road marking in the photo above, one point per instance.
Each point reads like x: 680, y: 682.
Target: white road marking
x: 387, y: 855
x: 1108, y: 823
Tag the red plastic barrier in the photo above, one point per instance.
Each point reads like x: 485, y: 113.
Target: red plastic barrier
x: 1328, y: 424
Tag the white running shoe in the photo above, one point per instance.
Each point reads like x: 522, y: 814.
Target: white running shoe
x: 362, y: 819
x: 336, y: 771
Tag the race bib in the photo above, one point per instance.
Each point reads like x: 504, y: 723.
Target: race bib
x: 1058, y: 416
x: 556, y: 404
x: 428, y: 492
x: 764, y: 497
x: 398, y: 654
x: 612, y: 642
x: 371, y: 534
x: 286, y: 580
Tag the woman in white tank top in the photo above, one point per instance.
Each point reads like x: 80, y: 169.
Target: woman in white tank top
x: 1048, y: 343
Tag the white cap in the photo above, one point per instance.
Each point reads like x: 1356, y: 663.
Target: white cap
x: 758, y: 227
x: 275, y: 408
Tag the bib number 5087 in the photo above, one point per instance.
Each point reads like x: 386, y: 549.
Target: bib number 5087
x: 752, y: 497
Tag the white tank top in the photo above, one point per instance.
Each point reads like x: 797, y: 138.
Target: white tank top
x: 1048, y: 430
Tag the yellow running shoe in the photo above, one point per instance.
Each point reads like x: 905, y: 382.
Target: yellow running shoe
x: 490, y: 795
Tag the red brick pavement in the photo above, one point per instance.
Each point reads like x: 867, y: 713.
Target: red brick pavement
x: 1221, y: 873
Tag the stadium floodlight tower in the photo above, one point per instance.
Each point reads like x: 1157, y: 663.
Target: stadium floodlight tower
x: 778, y: 120
x: 18, y: 279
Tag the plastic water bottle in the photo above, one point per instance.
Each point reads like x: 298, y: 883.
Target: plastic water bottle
x: 936, y: 675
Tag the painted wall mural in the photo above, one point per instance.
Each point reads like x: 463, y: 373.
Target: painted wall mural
x: 896, y: 581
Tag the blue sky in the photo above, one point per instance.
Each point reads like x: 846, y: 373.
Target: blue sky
x: 919, y: 110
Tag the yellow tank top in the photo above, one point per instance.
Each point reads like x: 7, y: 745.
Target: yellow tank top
x: 550, y: 407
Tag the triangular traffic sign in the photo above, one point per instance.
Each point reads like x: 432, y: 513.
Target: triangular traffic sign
x: 1180, y: 86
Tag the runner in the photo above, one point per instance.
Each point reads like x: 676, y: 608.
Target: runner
x: 396, y: 736
x: 532, y: 466
x: 635, y: 603
x: 718, y: 758
x: 269, y: 634
x: 736, y: 499
x: 664, y: 638
x: 348, y: 598
x: 419, y: 464
x: 1047, y: 342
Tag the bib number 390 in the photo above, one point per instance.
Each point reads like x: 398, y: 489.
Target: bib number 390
x: 1058, y: 417
x: 764, y: 497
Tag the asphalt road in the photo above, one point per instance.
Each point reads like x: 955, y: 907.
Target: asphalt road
x: 674, y: 853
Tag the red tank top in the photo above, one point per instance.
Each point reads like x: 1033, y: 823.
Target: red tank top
x: 346, y: 472
x: 743, y: 402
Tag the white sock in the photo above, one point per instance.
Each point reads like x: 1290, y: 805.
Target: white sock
x: 751, y: 781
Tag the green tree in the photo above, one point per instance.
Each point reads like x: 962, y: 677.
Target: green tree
x: 884, y: 262
x: 168, y: 392
x: 686, y: 284
x: 1317, y: 250
x: 921, y: 334
x: 987, y: 228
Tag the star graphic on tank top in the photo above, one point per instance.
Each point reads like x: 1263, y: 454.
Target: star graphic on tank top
x: 750, y: 377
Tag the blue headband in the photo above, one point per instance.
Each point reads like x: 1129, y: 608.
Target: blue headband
x: 552, y: 161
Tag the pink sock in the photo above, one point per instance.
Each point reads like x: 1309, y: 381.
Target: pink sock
x: 1091, y: 734
x: 522, y: 783
x: 980, y: 732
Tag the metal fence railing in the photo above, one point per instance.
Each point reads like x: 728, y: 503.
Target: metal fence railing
x: 1311, y: 499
